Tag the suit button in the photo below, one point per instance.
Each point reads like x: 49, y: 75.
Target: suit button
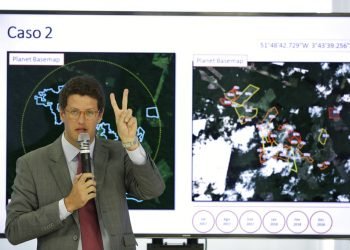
x: 75, y: 237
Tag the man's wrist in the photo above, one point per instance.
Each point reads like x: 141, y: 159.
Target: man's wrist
x: 67, y: 205
x: 63, y: 212
x: 131, y: 145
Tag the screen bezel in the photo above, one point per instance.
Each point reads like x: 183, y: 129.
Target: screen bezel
x: 204, y: 14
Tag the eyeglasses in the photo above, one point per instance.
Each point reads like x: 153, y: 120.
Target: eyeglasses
x: 88, y: 114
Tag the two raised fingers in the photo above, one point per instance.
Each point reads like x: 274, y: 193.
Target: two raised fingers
x: 114, y: 103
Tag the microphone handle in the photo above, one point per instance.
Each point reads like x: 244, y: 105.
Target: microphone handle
x: 85, y: 162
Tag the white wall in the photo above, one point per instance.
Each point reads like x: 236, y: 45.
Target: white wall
x: 174, y: 5
x: 231, y: 244
x: 341, y: 6
x: 204, y: 5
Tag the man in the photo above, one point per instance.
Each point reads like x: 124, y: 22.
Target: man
x: 49, y: 195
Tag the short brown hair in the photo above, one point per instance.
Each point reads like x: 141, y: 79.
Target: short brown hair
x: 83, y: 85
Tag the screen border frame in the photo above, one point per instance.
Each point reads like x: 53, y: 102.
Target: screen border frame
x: 197, y: 14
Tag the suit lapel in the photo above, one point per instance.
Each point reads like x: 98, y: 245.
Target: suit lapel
x: 59, y: 169
x: 100, y: 162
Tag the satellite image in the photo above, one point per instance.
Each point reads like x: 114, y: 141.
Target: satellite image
x: 272, y: 131
x: 33, y: 113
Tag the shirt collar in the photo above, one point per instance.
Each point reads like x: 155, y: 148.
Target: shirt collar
x: 70, y: 151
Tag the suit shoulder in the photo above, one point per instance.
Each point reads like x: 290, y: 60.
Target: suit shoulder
x: 110, y: 143
x: 41, y: 152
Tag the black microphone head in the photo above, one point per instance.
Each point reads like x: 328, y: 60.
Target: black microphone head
x: 84, y: 142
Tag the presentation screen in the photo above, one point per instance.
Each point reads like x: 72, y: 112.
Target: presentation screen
x: 246, y: 116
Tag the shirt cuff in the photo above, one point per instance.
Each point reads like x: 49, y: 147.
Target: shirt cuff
x: 138, y: 156
x: 63, y: 210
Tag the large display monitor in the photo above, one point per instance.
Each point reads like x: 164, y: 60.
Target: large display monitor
x: 246, y: 115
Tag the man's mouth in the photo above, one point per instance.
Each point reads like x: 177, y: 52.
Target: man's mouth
x: 81, y: 130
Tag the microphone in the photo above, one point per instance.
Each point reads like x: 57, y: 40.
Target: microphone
x: 84, y: 142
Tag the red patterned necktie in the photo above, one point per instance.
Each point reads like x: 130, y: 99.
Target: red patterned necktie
x: 91, y: 238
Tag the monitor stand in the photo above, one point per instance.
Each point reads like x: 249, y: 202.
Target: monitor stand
x: 190, y: 244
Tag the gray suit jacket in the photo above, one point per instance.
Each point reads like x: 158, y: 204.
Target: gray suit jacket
x: 42, y: 179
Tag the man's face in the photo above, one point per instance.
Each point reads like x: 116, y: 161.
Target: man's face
x: 80, y: 116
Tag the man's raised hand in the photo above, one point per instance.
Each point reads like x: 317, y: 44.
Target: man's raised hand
x: 126, y: 123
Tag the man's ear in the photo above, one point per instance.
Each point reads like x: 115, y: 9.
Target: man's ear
x: 62, y: 114
x: 100, y: 115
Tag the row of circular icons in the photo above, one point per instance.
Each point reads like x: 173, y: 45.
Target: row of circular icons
x: 273, y: 221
